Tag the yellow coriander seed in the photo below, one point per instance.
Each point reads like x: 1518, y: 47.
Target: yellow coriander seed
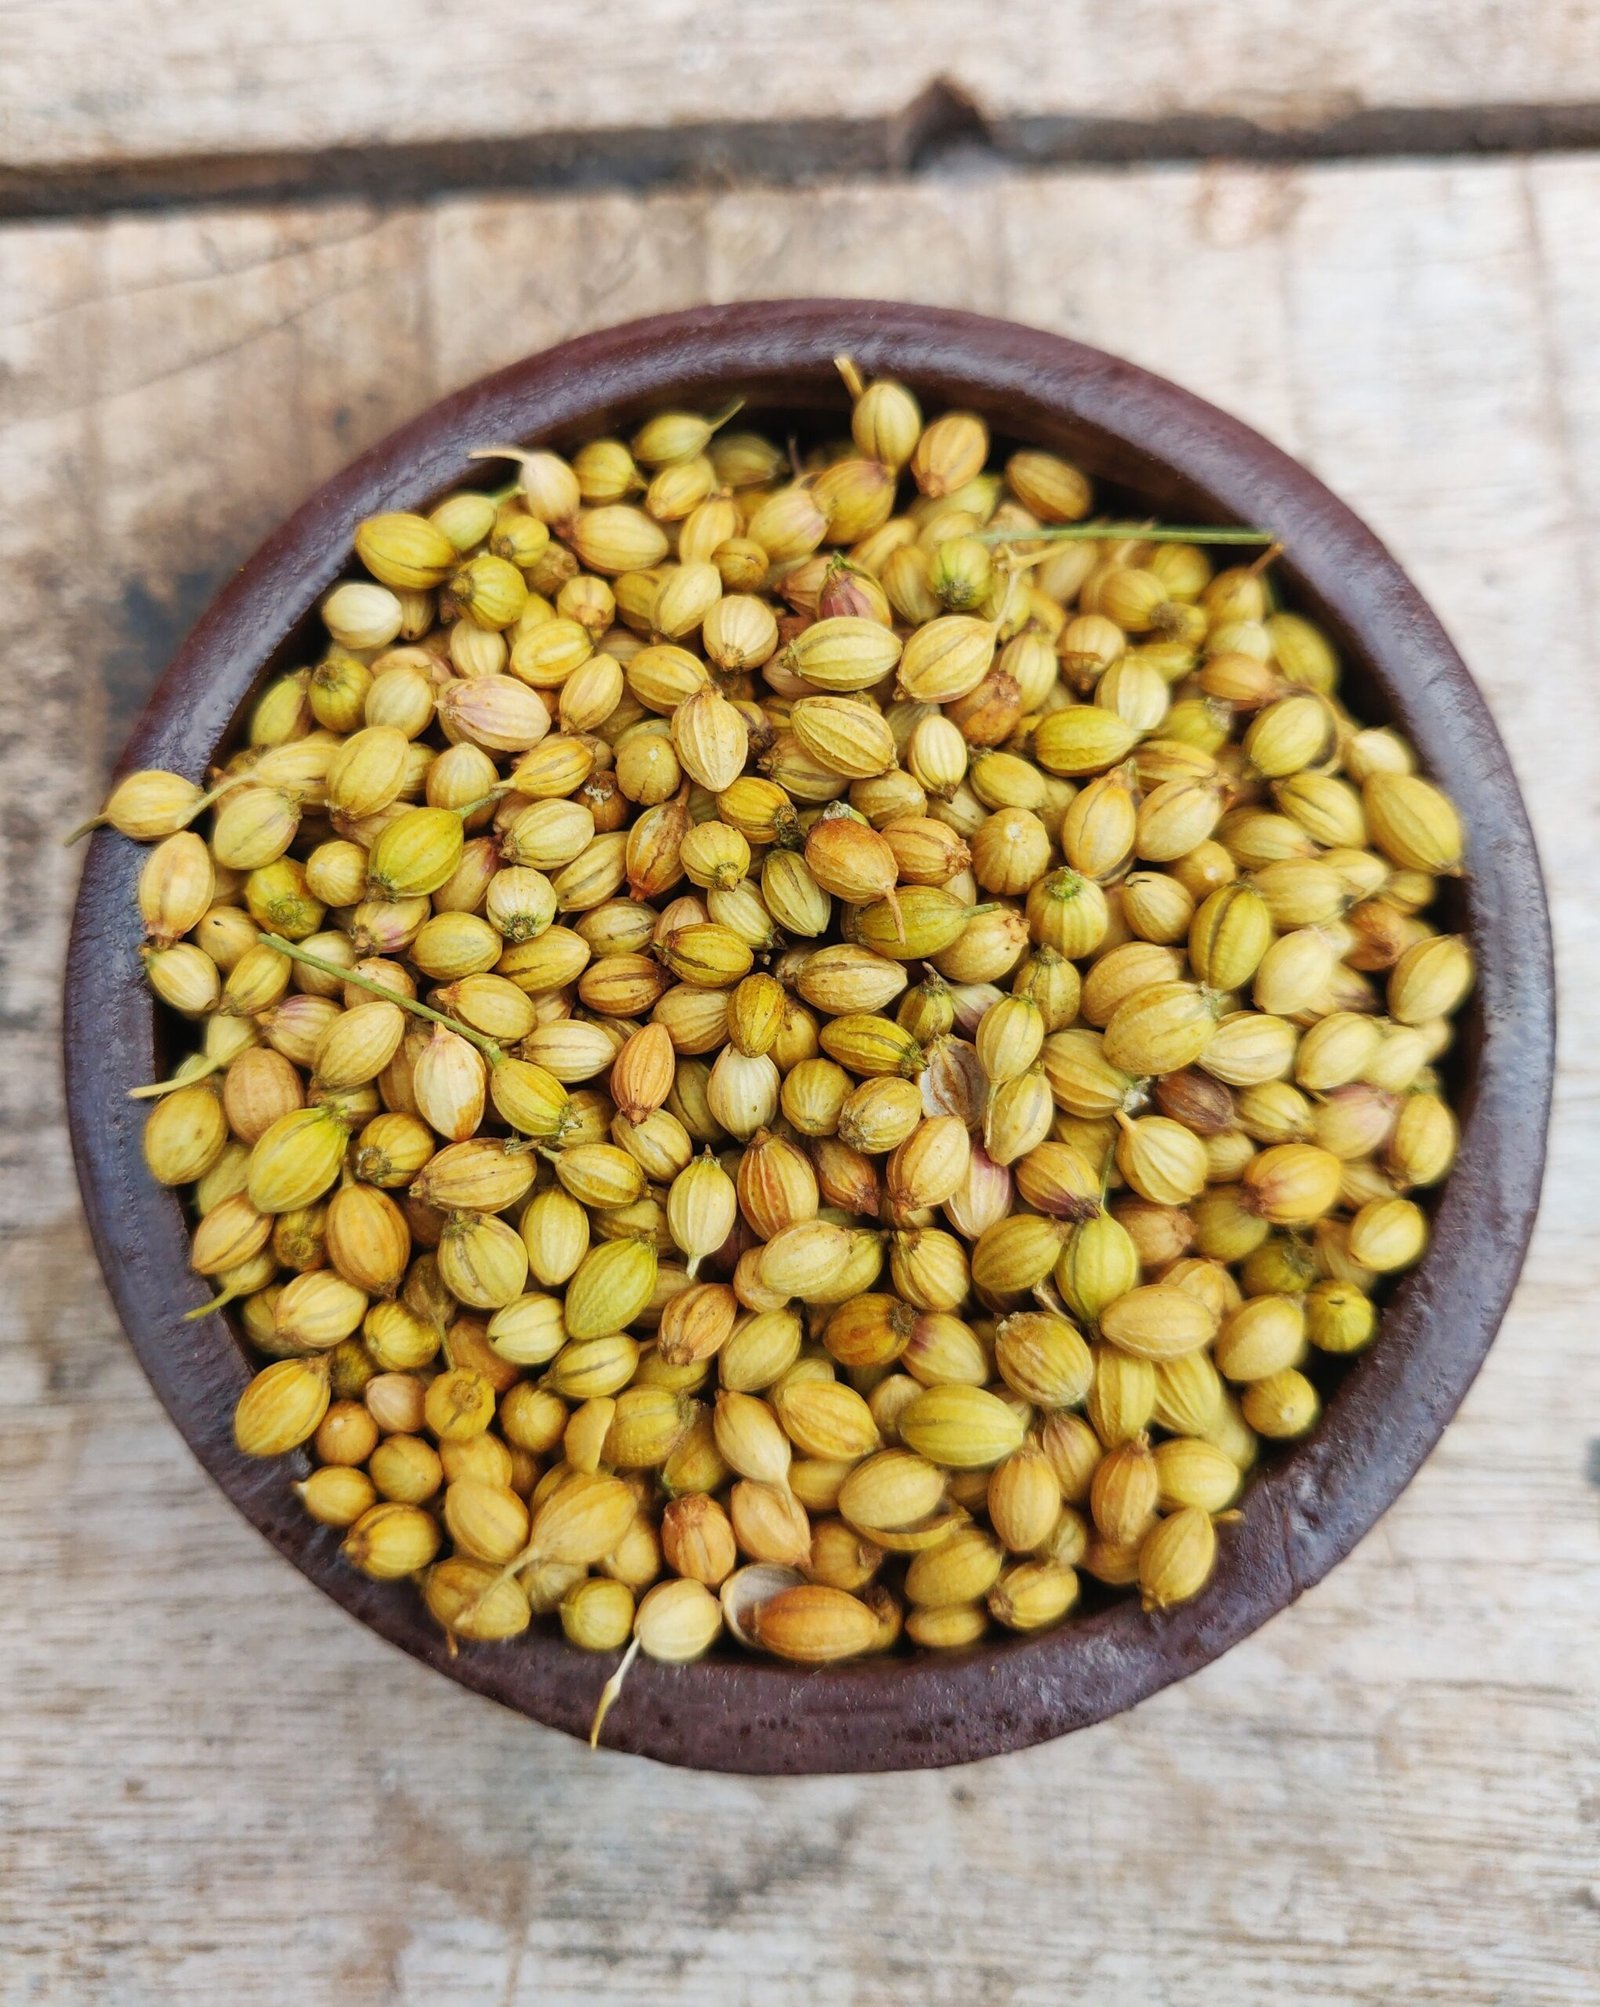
x: 837, y: 1056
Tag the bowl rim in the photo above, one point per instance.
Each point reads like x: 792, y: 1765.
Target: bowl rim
x: 1305, y: 1514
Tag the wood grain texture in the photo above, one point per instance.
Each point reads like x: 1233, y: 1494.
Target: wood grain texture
x: 217, y: 1787
x: 80, y: 81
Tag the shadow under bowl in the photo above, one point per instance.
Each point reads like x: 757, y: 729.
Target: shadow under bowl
x: 1160, y: 450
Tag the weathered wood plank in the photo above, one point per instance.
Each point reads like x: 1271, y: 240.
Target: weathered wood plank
x: 81, y: 82
x: 215, y: 1786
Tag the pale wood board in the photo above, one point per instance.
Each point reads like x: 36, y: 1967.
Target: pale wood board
x: 215, y: 1787
x: 84, y: 81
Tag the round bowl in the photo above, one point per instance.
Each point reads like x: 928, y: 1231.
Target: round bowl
x: 1165, y: 452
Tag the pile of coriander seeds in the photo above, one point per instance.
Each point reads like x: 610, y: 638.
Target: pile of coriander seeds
x: 809, y: 1043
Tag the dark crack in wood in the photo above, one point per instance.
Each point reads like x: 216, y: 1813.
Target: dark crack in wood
x: 940, y: 130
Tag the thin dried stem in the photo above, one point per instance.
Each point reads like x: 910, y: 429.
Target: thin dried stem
x: 296, y: 953
x: 1097, y: 533
x: 853, y: 381
x: 609, y: 1693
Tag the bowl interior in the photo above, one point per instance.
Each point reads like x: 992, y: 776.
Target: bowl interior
x: 1153, y: 452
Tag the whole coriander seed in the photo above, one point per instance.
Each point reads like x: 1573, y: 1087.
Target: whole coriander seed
x: 753, y: 980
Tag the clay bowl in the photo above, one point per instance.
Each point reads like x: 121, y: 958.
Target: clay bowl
x: 1152, y: 447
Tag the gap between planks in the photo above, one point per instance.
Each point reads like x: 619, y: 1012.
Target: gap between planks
x: 940, y: 129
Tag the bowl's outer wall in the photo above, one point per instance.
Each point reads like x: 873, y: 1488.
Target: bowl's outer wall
x: 1183, y: 458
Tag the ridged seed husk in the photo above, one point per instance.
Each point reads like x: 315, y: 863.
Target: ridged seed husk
x: 1176, y: 1559
x: 815, y: 1625
x: 961, y: 1428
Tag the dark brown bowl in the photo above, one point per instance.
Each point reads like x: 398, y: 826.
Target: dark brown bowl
x: 1165, y: 451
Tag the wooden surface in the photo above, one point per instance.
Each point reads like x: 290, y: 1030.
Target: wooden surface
x: 80, y: 80
x: 214, y: 1787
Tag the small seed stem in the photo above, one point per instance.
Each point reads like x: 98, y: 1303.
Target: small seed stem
x: 1048, y: 1297
x: 1063, y: 533
x: 296, y: 953
x: 159, y: 1087
x: 217, y: 1302
x: 609, y: 1693
x: 471, y: 807
x: 226, y: 786
x: 502, y: 1575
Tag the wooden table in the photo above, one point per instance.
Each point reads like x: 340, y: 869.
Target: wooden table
x: 213, y: 1786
